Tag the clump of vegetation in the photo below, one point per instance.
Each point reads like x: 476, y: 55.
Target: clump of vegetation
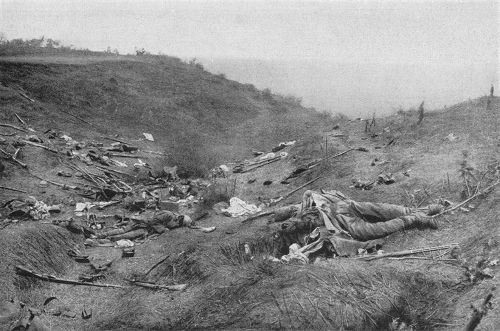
x: 467, y: 175
x: 39, y: 46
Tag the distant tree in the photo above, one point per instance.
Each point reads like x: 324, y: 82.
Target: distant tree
x: 51, y: 43
x: 420, y: 113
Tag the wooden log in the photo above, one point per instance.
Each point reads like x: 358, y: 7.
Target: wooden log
x: 49, y: 278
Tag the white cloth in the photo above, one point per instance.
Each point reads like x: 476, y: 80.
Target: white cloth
x: 238, y: 207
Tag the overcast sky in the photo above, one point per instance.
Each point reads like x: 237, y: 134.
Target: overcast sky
x: 366, y: 32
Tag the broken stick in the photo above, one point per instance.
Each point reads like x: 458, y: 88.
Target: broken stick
x: 49, y: 278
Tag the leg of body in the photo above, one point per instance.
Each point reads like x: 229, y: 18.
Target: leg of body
x: 362, y: 230
x: 377, y: 212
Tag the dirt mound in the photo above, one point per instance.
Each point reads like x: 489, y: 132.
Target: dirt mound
x: 37, y: 246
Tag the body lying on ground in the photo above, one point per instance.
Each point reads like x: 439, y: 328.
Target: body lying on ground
x: 148, y: 222
x: 343, y: 224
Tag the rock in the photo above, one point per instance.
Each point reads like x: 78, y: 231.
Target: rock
x: 43, y: 183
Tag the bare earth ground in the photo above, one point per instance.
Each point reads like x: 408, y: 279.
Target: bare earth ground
x: 228, y: 290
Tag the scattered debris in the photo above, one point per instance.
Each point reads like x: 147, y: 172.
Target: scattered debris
x: 148, y: 136
x: 386, y: 179
x: 451, y: 137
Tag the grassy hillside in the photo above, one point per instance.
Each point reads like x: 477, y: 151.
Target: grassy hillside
x: 200, y: 119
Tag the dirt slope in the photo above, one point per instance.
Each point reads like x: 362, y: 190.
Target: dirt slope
x: 228, y: 289
x: 187, y: 109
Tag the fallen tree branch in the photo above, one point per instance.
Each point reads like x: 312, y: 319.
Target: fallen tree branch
x: 41, y: 146
x: 407, y: 252
x: 20, y: 270
x: 467, y: 200
x: 13, y: 127
x: 12, y: 189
